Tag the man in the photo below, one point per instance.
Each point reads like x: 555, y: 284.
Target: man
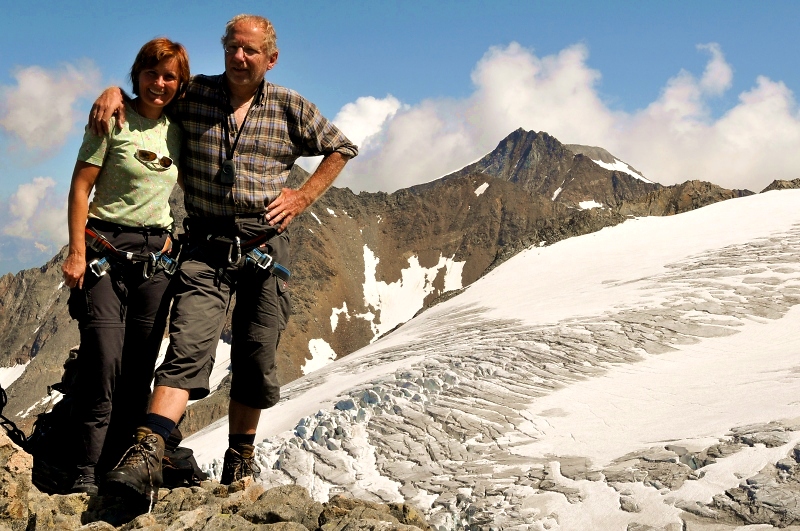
x: 241, y: 137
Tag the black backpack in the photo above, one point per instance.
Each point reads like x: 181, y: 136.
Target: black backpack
x: 53, y: 431
x: 179, y: 466
x: 52, y: 470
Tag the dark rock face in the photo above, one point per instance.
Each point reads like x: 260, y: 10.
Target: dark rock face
x: 679, y: 198
x: 35, y: 327
x: 782, y: 185
x: 462, y: 225
x: 31, y: 305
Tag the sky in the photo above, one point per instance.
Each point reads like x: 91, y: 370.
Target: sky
x: 679, y: 90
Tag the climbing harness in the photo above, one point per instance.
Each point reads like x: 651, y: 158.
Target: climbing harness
x: 251, y: 252
x: 153, y: 262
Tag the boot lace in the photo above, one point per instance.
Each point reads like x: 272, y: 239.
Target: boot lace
x: 134, y: 457
x: 241, y: 467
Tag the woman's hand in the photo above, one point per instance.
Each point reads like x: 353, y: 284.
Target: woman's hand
x: 83, y: 179
x: 74, y: 268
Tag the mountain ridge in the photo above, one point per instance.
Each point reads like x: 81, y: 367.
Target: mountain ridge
x: 366, y: 263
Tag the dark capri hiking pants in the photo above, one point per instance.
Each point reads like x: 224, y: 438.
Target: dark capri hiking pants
x: 202, y: 290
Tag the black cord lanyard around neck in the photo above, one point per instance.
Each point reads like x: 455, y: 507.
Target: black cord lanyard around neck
x: 226, y: 140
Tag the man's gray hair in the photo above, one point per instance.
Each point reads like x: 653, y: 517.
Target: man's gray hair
x: 270, y: 45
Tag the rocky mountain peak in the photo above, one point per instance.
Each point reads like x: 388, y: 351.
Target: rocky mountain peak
x: 569, y: 175
x: 530, y: 159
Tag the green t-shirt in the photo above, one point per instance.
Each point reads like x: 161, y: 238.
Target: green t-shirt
x: 128, y: 191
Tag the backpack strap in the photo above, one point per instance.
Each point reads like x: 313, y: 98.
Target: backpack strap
x: 14, y: 433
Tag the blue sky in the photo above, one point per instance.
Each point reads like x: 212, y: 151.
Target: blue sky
x: 680, y: 90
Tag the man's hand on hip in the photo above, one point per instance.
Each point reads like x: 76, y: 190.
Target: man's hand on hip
x: 288, y: 205
x: 291, y: 203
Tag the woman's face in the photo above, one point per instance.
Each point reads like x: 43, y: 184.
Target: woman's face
x: 158, y: 85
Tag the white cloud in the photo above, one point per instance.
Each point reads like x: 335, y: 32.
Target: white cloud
x: 673, y: 139
x: 364, y: 118
x: 39, y: 110
x: 360, y: 121
x: 36, y: 212
x: 718, y: 75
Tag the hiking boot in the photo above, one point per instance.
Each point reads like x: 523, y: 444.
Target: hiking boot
x: 85, y: 484
x: 239, y: 463
x: 140, y: 467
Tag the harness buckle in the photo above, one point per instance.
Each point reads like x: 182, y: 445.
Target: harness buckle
x: 167, y: 264
x: 159, y: 262
x: 238, y: 242
x: 95, y: 245
x: 259, y: 258
x: 100, y: 266
x: 281, y: 272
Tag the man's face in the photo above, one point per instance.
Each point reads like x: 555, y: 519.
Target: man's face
x: 245, y: 59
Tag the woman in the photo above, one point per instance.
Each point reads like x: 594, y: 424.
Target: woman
x: 118, y: 264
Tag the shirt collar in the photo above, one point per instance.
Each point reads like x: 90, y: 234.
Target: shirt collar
x: 261, y: 93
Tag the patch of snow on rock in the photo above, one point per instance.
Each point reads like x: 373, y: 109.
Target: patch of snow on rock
x: 618, y: 165
x: 45, y: 404
x: 8, y: 375
x: 321, y: 355
x: 482, y: 188
x: 397, y: 302
x: 588, y: 205
x: 335, y: 313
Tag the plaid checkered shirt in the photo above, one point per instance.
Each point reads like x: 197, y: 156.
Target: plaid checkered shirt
x: 281, y: 126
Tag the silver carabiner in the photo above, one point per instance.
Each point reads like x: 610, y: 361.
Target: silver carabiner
x: 149, y: 268
x: 238, y: 243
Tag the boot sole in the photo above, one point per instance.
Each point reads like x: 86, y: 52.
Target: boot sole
x: 89, y: 491
x: 122, y: 488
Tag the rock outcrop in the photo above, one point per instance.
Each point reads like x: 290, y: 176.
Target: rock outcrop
x: 782, y: 185
x: 678, y: 198
x: 244, y: 505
